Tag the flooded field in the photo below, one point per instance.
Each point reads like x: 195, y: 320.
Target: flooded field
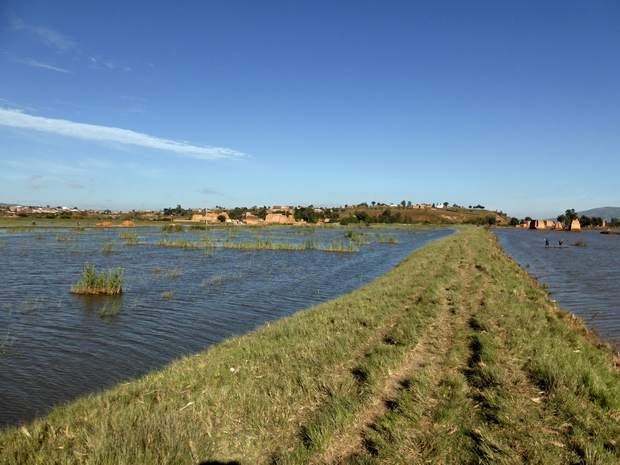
x: 583, y: 279
x: 183, y: 292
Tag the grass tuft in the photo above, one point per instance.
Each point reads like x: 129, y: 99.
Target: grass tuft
x: 181, y: 243
x: 93, y: 283
x: 387, y: 238
x: 168, y: 228
x: 110, y: 308
x: 131, y: 238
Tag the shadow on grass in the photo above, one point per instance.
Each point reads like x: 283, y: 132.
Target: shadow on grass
x: 211, y: 462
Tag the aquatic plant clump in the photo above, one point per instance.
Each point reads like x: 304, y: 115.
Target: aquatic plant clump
x: 168, y: 228
x: 64, y: 238
x: 131, y: 238
x: 308, y: 244
x: 93, y: 283
x: 109, y: 246
x: 340, y: 246
x: 387, y: 238
x: 180, y: 243
x: 262, y: 244
x: 357, y: 237
x: 110, y: 308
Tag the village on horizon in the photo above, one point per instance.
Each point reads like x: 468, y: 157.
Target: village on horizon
x: 404, y: 212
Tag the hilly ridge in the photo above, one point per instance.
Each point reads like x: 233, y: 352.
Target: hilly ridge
x: 607, y: 213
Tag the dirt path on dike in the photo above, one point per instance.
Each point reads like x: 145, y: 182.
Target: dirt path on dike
x: 432, y: 350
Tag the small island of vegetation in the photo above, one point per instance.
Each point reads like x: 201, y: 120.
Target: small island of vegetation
x: 93, y: 283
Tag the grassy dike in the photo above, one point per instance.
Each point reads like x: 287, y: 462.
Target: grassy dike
x: 454, y: 356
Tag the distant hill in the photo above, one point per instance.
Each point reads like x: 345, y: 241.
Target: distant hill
x: 434, y: 215
x: 607, y: 213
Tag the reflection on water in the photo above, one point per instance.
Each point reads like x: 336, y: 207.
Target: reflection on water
x: 583, y: 279
x: 55, y: 346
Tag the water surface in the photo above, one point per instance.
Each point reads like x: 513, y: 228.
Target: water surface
x: 55, y: 346
x: 583, y: 279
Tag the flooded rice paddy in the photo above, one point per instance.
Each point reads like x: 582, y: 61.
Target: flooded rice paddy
x: 178, y: 299
x: 582, y: 279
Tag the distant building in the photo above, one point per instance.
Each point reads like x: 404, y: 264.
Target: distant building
x: 287, y: 209
x: 541, y: 224
x: 575, y: 225
x: 250, y: 219
x: 210, y: 217
x: 279, y: 218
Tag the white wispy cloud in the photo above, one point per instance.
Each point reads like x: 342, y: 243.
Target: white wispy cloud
x: 99, y: 63
x: 48, y: 36
x: 61, y: 44
x: 31, y: 62
x: 18, y: 119
x: 47, y: 166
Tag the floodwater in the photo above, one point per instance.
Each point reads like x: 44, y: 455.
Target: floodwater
x: 582, y: 279
x: 56, y: 346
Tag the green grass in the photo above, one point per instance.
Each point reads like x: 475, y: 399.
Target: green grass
x: 455, y: 356
x: 357, y: 237
x: 387, y: 238
x: 110, y: 308
x: 131, y: 238
x: 180, y: 242
x: 168, y: 228
x: 64, y: 238
x: 109, y: 246
x: 339, y: 246
x: 158, y: 272
x: 260, y: 243
x: 94, y: 283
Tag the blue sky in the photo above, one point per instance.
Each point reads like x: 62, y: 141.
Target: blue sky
x: 145, y: 105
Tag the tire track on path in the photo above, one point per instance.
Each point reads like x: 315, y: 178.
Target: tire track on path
x: 432, y: 349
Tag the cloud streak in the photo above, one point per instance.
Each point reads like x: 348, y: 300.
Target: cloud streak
x: 28, y: 61
x: 17, y: 119
x: 45, y: 166
x: 48, y: 36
